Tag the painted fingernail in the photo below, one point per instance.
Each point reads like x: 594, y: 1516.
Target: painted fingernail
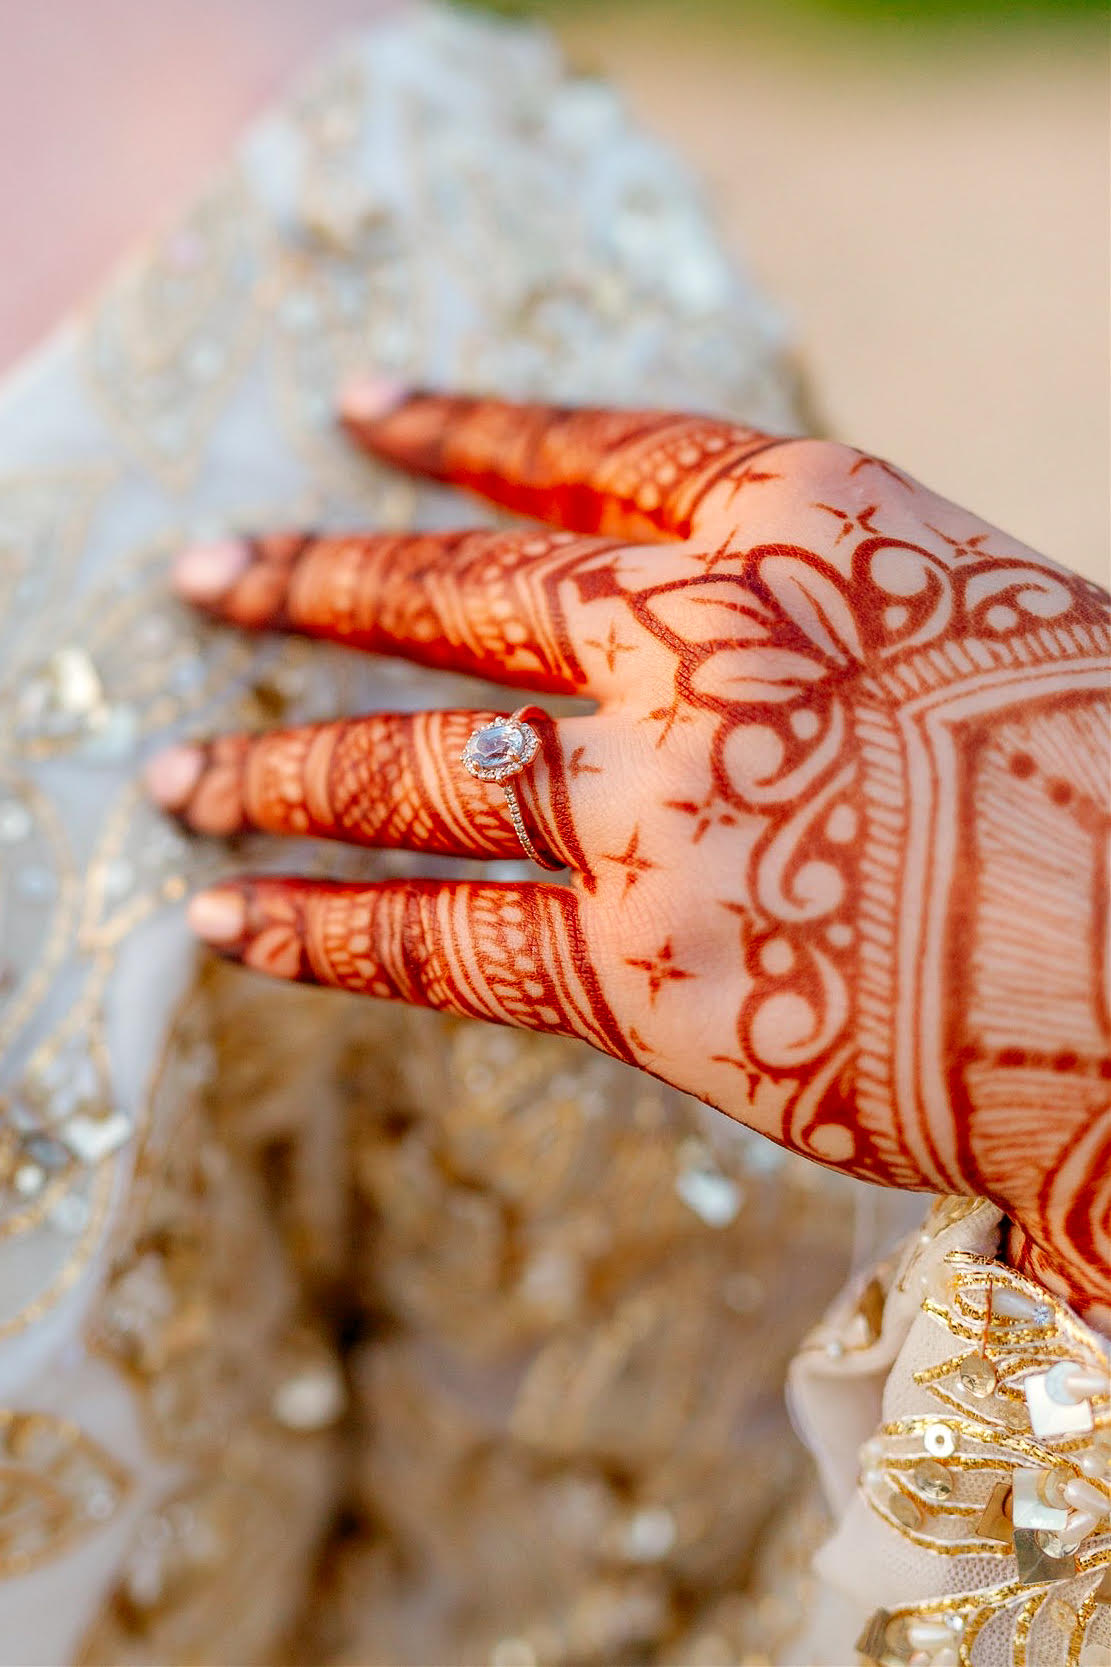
x: 172, y: 775
x: 205, y: 572
x: 218, y: 916
x: 369, y: 398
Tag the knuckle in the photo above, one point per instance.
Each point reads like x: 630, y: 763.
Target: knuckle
x: 822, y: 464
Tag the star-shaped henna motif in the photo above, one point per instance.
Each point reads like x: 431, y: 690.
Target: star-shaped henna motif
x: 703, y: 813
x: 659, y: 968
x: 754, y: 477
x: 576, y: 767
x: 669, y: 716
x: 611, y: 648
x: 840, y: 515
x: 878, y: 463
x: 961, y: 546
x: 631, y: 861
x: 710, y: 559
x: 752, y: 1078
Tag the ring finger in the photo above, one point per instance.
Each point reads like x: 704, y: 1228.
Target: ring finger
x: 390, y: 780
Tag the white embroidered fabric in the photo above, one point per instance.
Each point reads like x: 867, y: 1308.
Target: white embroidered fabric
x: 920, y: 1421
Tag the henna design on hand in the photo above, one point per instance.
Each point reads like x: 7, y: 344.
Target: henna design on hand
x: 480, y: 602
x: 391, y: 780
x: 838, y: 827
x: 512, y: 954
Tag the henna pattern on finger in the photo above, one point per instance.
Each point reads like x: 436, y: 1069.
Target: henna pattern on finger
x: 389, y: 780
x: 485, y: 603
x: 510, y: 954
x: 632, y: 474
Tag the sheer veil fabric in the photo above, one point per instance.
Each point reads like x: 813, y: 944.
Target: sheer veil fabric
x: 327, y: 1329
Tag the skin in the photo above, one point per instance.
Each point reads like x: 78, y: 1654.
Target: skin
x: 836, y: 829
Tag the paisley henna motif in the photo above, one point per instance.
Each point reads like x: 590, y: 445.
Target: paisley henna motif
x: 839, y: 825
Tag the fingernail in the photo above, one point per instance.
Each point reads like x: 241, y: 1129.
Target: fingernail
x: 368, y: 398
x: 172, y: 775
x: 205, y: 572
x: 217, y: 916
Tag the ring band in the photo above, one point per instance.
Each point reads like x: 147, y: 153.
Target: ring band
x: 498, y: 751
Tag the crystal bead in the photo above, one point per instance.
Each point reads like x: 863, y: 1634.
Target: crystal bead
x: 100, y: 1502
x: 92, y: 1138
x: 29, y: 1180
x: 75, y: 682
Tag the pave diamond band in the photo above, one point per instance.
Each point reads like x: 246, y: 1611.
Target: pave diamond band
x: 498, y: 751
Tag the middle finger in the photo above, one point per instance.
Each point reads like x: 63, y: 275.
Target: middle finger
x: 489, y: 604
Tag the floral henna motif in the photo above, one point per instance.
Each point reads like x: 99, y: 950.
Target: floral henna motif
x: 850, y: 858
x: 508, y: 953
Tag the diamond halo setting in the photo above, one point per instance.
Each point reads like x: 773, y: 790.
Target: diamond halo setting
x: 500, y: 749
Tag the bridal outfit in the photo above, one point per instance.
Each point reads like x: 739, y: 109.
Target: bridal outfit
x: 339, y: 1333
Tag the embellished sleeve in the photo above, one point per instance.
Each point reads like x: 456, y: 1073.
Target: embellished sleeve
x: 961, y: 1416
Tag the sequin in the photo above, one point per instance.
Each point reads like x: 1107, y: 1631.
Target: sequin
x: 977, y: 1376
x: 939, y: 1440
x: 933, y: 1480
x: 904, y: 1509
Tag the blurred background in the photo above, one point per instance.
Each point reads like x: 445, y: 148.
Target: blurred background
x: 922, y: 187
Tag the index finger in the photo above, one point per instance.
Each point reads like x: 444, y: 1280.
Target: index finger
x: 627, y: 474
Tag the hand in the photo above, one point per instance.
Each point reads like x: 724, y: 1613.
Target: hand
x: 834, y: 828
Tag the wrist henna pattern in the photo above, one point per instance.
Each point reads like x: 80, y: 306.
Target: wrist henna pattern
x: 839, y: 825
